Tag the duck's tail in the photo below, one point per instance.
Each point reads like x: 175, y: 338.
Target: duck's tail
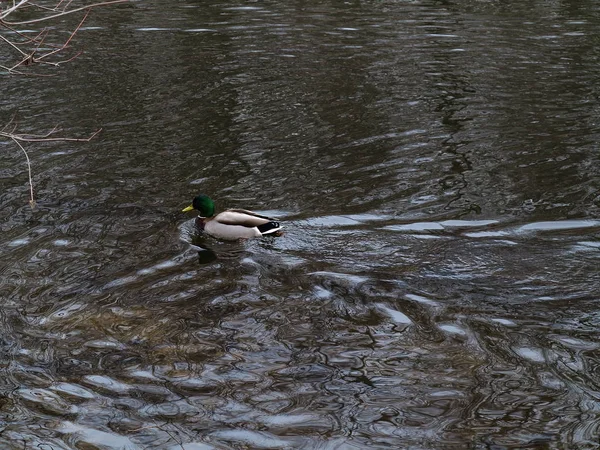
x: 269, y: 227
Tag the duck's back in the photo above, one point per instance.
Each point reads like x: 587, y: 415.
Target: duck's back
x: 235, y: 224
x: 264, y: 224
x: 242, y: 217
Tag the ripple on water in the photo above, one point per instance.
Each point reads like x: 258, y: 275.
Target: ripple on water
x: 46, y: 401
x: 192, y: 446
x: 428, y: 291
x: 80, y: 436
x: 559, y: 225
x: 395, y: 315
x: 106, y: 384
x: 255, y: 439
x: 175, y: 410
x: 73, y: 391
x: 452, y: 329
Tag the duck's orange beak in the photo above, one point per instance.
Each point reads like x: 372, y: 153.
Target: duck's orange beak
x: 189, y: 208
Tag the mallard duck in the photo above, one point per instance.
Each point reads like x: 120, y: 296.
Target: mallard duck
x: 231, y: 224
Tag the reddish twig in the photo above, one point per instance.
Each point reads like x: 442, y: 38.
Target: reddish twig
x: 34, y: 54
x: 87, y: 13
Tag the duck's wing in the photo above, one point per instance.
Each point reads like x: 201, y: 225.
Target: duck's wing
x: 251, y: 213
x: 242, y: 217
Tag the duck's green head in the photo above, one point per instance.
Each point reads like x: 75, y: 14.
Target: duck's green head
x: 203, y: 204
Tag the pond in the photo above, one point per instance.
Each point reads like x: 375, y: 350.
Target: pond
x: 435, y: 165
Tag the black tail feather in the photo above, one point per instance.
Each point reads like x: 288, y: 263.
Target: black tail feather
x: 269, y: 227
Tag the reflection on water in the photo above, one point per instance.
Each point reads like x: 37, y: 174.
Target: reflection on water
x: 435, y: 164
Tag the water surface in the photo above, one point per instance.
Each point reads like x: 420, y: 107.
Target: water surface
x: 436, y: 167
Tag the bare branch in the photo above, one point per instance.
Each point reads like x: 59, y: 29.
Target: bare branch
x: 60, y: 3
x: 33, y: 138
x: 38, y: 136
x: 31, y: 198
x: 64, y: 13
x: 9, y: 70
x: 28, y: 59
x: 9, y: 123
x: 45, y: 8
x: 13, y: 45
x: 37, y: 50
x: 18, y: 138
x: 58, y: 63
x: 27, y: 40
x: 87, y: 13
x: 16, y: 72
x: 8, y: 11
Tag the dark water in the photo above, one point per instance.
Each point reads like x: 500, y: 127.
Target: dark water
x: 436, y: 164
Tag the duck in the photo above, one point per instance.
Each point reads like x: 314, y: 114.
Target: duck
x: 231, y: 224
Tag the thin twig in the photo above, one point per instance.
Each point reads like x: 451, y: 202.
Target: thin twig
x: 31, y: 199
x: 13, y: 45
x: 9, y: 123
x: 64, y: 13
x: 45, y: 8
x: 64, y: 61
x: 34, y: 55
x: 54, y: 130
x: 28, y: 40
x: 87, y: 13
x: 8, y: 11
x: 27, y: 138
x: 29, y: 58
x: 18, y: 138
x: 64, y: 7
x: 12, y: 71
x: 9, y: 70
x: 26, y: 60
